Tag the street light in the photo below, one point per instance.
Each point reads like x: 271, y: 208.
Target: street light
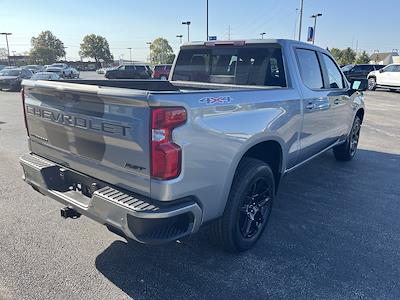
x: 130, y: 53
x: 301, y: 17
x: 188, y: 24
x: 180, y: 36
x: 315, y: 25
x: 262, y: 35
x: 65, y: 54
x: 149, y: 43
x: 8, y: 48
x: 207, y: 19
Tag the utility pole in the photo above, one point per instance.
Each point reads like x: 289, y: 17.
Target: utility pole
x: 130, y: 53
x: 188, y: 30
x: 301, y: 18
x: 180, y: 36
x: 262, y: 35
x: 315, y: 25
x: 207, y: 19
x: 149, y: 43
x: 65, y: 57
x: 295, y: 24
x: 8, y: 48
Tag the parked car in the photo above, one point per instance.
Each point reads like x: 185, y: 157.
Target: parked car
x: 161, y: 72
x: 128, y: 72
x: 101, y: 71
x: 388, y: 78
x: 360, y: 71
x: 56, y: 70
x: 10, y: 79
x: 74, y: 73
x: 34, y: 68
x: 66, y: 70
x: 155, y: 160
x: 46, y: 76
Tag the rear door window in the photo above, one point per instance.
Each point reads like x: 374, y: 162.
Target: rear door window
x: 310, y: 69
x: 141, y: 68
x: 334, y: 76
x: 259, y: 66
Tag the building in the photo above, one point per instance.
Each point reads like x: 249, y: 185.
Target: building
x: 384, y: 58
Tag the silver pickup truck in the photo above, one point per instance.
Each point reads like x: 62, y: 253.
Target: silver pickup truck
x: 155, y: 160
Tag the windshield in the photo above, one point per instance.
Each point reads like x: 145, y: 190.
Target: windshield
x: 260, y: 66
x: 58, y: 65
x: 10, y: 72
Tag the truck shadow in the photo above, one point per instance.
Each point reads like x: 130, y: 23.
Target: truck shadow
x: 333, y: 227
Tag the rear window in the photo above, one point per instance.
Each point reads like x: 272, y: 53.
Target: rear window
x: 261, y: 66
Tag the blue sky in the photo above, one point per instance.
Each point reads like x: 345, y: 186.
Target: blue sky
x: 133, y: 23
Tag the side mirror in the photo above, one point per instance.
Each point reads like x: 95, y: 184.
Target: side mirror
x: 359, y: 85
x: 381, y: 71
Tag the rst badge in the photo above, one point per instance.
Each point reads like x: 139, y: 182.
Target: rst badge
x: 216, y: 100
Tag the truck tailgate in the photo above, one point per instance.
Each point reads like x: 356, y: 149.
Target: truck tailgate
x: 99, y: 131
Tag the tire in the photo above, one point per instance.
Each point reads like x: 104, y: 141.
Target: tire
x: 248, y: 207
x: 347, y: 150
x: 372, y: 84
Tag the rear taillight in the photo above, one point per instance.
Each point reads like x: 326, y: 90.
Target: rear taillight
x: 24, y: 110
x: 165, y: 154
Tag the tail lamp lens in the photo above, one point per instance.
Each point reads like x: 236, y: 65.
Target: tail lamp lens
x: 166, y: 156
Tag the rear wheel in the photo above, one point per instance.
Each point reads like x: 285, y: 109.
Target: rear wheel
x: 347, y: 150
x: 248, y: 208
x: 372, y: 84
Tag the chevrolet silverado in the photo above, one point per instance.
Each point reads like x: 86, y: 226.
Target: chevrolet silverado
x: 155, y: 160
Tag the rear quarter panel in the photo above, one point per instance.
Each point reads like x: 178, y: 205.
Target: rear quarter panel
x: 217, y: 135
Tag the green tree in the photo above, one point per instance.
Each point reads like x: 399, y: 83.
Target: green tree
x: 161, y: 52
x: 96, y: 47
x: 362, y: 58
x: 46, y: 48
x: 3, y: 53
x: 347, y: 57
x: 336, y: 53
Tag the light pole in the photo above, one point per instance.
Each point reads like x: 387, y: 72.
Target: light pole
x: 188, y: 25
x: 315, y: 25
x: 207, y: 19
x: 149, y: 43
x: 262, y: 35
x: 180, y: 36
x: 301, y: 18
x: 8, y: 48
x: 65, y: 57
x: 130, y: 53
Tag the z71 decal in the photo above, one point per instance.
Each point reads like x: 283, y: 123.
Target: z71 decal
x: 216, y: 100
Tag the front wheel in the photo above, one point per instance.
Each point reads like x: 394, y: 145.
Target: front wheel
x: 248, y: 208
x: 372, y: 84
x: 347, y: 150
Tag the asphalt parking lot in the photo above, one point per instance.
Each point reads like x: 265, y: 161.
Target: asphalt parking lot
x: 334, y: 233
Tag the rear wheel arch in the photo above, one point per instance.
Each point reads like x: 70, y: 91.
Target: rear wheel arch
x: 270, y: 152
